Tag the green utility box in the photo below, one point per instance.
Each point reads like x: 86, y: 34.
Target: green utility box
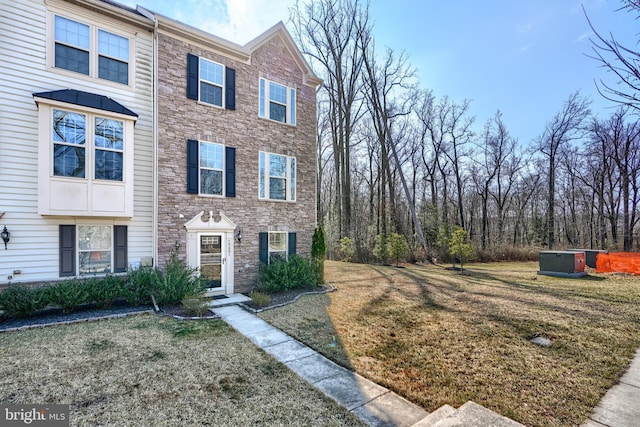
x: 591, y: 255
x: 562, y: 263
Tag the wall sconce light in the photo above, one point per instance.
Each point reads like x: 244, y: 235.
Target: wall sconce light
x: 239, y: 235
x: 6, y: 236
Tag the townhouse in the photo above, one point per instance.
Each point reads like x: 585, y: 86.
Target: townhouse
x: 130, y: 134
x: 236, y: 151
x: 77, y: 135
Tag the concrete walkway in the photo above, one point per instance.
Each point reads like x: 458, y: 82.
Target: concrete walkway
x: 373, y: 404
x: 376, y: 406
x: 620, y: 407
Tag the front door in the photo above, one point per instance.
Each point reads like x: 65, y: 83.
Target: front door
x: 211, y: 261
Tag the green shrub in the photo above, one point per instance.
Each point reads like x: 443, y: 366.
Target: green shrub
x: 260, y: 299
x: 195, y: 305
x: 397, y: 247
x: 346, y: 249
x: 69, y: 293
x: 459, y: 247
x: 136, y: 290
x: 319, y: 251
x: 177, y: 281
x: 280, y: 275
x: 380, y: 250
x: 21, y: 301
x: 105, y: 290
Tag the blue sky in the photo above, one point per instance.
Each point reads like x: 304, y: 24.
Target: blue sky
x: 523, y: 57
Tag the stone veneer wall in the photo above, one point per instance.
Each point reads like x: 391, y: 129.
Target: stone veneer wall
x: 180, y: 119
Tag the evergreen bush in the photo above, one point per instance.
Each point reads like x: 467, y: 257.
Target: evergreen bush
x: 319, y: 251
x: 177, y: 281
x: 103, y: 291
x: 68, y: 294
x: 280, y: 275
x: 22, y: 301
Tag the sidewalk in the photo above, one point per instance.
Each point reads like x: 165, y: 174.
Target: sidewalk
x: 620, y: 407
x: 373, y: 404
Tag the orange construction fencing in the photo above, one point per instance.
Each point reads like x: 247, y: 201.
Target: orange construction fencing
x: 618, y: 262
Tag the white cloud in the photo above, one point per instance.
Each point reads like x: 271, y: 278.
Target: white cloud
x: 583, y: 37
x: 250, y: 18
x: 238, y: 21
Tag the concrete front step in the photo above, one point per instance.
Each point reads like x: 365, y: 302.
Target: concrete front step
x: 468, y: 415
x: 433, y: 418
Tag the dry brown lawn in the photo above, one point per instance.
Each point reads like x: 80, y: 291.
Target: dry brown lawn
x: 438, y: 337
x: 152, y: 371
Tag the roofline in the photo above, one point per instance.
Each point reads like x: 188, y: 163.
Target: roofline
x: 279, y: 29
x: 117, y: 11
x: 191, y: 34
x: 97, y: 111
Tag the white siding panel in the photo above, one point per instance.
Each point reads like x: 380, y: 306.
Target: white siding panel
x: 33, y: 248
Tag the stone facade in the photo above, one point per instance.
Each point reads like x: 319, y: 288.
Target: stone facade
x: 181, y: 119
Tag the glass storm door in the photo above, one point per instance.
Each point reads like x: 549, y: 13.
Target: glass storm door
x: 211, y: 260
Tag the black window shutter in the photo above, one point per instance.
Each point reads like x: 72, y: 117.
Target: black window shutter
x: 192, y: 166
x: 263, y: 247
x: 67, y: 250
x: 230, y: 171
x: 120, y: 255
x: 292, y: 244
x: 193, y: 77
x: 230, y: 89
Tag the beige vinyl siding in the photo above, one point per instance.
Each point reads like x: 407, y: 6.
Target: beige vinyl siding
x: 24, y: 49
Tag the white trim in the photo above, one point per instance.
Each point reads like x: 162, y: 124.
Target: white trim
x: 223, y: 86
x: 286, y: 244
x: 223, y: 170
x: 264, y: 100
x: 199, y: 226
x: 279, y: 29
x: 94, y: 55
x: 290, y: 181
x: 70, y: 196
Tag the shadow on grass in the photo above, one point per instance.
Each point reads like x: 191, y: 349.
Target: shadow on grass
x: 436, y: 336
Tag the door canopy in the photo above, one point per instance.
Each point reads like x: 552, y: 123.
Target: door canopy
x: 201, y: 224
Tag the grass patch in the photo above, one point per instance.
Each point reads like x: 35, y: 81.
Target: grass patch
x: 151, y: 371
x: 440, y: 337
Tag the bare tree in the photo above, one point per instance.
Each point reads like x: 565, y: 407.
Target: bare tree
x: 496, y: 172
x: 566, y: 126
x: 621, y: 140
x: 331, y: 33
x: 622, y: 61
x: 386, y: 83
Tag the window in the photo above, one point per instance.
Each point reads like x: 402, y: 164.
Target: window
x: 85, y: 155
x: 100, y: 249
x: 113, y: 57
x: 277, y: 177
x: 74, y: 138
x: 210, y: 82
x: 277, y: 102
x: 94, y: 249
x: 211, y: 169
x: 74, y: 50
x: 71, y: 45
x: 109, y: 148
x: 69, y: 137
x: 276, y: 245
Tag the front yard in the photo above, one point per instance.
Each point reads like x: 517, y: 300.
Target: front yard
x: 438, y: 337
x: 152, y: 371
